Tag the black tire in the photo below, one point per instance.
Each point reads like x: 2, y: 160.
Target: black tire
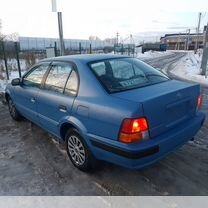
x: 13, y: 111
x: 78, y: 151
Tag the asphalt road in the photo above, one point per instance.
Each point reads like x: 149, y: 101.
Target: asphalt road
x: 32, y: 163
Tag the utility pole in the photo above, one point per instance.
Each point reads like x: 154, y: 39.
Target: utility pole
x: 205, y: 53
x: 178, y: 43
x: 61, y: 39
x: 197, y: 35
x: 188, y: 40
x: 117, y: 35
x: 60, y: 26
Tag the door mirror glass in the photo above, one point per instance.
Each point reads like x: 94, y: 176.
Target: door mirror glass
x: 16, y: 82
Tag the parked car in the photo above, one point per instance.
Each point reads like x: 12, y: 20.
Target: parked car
x: 108, y: 107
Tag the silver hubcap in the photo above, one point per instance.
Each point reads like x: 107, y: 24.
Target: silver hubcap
x: 76, y: 150
x: 12, y: 109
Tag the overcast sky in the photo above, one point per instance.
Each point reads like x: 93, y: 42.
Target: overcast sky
x: 102, y: 18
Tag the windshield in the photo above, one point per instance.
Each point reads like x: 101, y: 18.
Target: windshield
x: 126, y: 73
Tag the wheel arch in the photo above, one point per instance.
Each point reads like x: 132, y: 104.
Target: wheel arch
x: 69, y: 124
x: 64, y: 128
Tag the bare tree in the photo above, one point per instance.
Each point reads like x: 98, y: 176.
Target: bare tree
x: 1, y: 35
x: 9, y: 37
x: 30, y: 59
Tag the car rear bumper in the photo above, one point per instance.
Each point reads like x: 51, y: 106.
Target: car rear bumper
x: 140, y: 155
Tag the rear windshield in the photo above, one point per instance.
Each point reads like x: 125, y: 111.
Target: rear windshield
x: 122, y: 74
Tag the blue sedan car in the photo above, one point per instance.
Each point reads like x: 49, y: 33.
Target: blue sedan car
x: 108, y: 107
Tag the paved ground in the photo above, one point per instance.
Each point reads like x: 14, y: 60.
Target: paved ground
x: 31, y: 163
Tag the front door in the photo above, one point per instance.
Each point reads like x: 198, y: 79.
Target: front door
x: 56, y: 98
x: 26, y: 93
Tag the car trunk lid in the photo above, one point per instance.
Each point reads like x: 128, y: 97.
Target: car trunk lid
x: 165, y: 105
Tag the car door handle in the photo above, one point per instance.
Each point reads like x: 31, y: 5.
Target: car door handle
x: 33, y: 100
x: 62, y: 108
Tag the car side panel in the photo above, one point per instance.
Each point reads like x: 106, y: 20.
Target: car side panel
x: 25, y: 101
x: 100, y: 112
x: 49, y: 112
x: 103, y: 117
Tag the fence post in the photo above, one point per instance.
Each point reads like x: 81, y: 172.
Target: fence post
x: 80, y: 47
x: 55, y: 48
x: 90, y: 48
x: 122, y: 49
x: 17, y: 57
x: 5, y: 59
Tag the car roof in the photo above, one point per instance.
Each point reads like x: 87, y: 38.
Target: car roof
x: 85, y: 58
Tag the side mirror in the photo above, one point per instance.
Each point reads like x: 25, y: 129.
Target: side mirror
x: 16, y: 82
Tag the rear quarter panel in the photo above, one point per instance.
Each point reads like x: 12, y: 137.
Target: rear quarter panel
x: 100, y: 112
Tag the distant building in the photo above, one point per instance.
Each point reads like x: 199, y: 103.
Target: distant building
x: 182, y: 41
x: 29, y: 43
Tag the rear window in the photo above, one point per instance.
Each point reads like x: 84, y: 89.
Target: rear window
x: 126, y: 73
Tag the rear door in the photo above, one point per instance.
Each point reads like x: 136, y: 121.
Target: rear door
x: 26, y: 93
x: 56, y: 98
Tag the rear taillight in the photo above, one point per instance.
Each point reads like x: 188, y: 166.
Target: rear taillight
x: 134, y: 130
x: 199, y: 102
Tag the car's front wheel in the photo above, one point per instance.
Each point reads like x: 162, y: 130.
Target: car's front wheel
x: 13, y: 111
x: 77, y: 150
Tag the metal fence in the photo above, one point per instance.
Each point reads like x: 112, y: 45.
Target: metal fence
x: 72, y: 46
x: 18, y: 57
x: 9, y: 59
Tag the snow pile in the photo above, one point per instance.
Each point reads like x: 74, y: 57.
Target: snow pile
x: 153, y: 54
x: 189, y: 68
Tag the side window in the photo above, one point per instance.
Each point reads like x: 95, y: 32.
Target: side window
x: 57, y: 77
x: 99, y: 68
x: 72, y: 84
x: 34, y: 78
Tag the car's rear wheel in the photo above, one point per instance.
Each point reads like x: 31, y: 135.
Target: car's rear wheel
x: 13, y: 111
x: 78, y: 151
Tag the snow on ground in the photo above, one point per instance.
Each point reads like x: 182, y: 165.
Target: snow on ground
x: 12, y: 75
x: 189, y: 68
x: 12, y: 64
x: 153, y: 54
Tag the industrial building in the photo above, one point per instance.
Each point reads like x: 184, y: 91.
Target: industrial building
x: 28, y: 43
x: 183, y: 41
